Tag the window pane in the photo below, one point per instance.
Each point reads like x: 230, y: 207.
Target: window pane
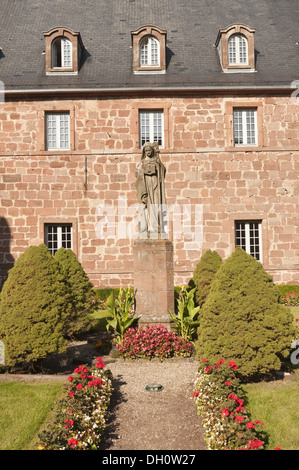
x: 151, y: 127
x: 248, y: 237
x: 51, y: 132
x: 157, y: 128
x: 149, y: 52
x: 144, y: 52
x: 250, y: 126
x: 232, y: 50
x: 67, y: 56
x: 57, y: 131
x: 144, y: 128
x: 64, y: 130
x: 238, y: 127
x: 240, y: 235
x: 154, y: 52
x: 242, y: 50
x: 57, y: 236
x: 245, y: 126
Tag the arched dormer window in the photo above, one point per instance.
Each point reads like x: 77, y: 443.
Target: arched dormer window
x: 235, y: 45
x: 149, y: 50
x: 63, y: 49
x: 237, y: 50
x: 149, y: 54
x: 61, y: 53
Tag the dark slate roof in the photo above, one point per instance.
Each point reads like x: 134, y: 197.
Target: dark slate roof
x: 105, y: 27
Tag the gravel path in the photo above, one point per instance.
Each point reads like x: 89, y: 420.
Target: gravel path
x: 143, y: 420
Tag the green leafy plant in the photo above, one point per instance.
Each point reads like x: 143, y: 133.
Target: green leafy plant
x: 121, y: 311
x: 186, y: 319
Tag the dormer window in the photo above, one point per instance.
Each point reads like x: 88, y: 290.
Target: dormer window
x: 63, y: 51
x: 237, y: 50
x: 235, y: 45
x: 149, y: 50
x: 149, y: 53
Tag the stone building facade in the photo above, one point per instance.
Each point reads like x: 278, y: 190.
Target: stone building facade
x: 229, y: 138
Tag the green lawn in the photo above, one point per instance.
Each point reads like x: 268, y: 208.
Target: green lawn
x: 276, y: 405
x: 24, y: 406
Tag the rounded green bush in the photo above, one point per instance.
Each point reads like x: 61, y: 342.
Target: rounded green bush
x: 204, y: 274
x: 33, y: 309
x: 242, y: 320
x: 81, y: 291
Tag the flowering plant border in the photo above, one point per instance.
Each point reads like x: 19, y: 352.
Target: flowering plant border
x: 80, y: 413
x: 153, y: 341
x: 220, y: 401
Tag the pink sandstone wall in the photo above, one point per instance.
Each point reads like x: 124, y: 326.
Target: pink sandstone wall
x: 204, y: 172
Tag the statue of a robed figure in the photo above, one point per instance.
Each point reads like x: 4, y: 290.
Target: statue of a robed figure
x: 153, y: 252
x: 150, y: 178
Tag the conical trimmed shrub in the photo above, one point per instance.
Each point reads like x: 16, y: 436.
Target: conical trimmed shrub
x: 80, y: 288
x: 242, y: 320
x: 33, y: 309
x: 204, y: 274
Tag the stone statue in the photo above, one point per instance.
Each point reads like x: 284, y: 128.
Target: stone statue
x: 150, y: 177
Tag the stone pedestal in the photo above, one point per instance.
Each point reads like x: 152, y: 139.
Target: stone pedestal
x: 153, y: 281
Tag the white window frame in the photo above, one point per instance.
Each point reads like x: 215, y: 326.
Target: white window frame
x: 243, y: 131
x: 66, y: 56
x: 62, y: 230
x: 149, y: 52
x: 249, y: 240
x: 237, y: 42
x: 57, y: 130
x: 147, y: 127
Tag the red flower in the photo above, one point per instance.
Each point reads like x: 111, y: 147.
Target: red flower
x: 259, y: 422
x: 250, y: 425
x: 227, y: 383
x: 233, y: 365
x: 277, y: 448
x: 195, y: 394
x: 225, y: 411
x: 239, y: 419
x: 221, y: 361
x: 69, y: 423
x: 70, y: 378
x: 72, y: 442
x: 240, y: 408
x: 255, y: 443
x: 207, y: 369
x: 204, y: 360
x: 79, y: 386
x: 71, y: 394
